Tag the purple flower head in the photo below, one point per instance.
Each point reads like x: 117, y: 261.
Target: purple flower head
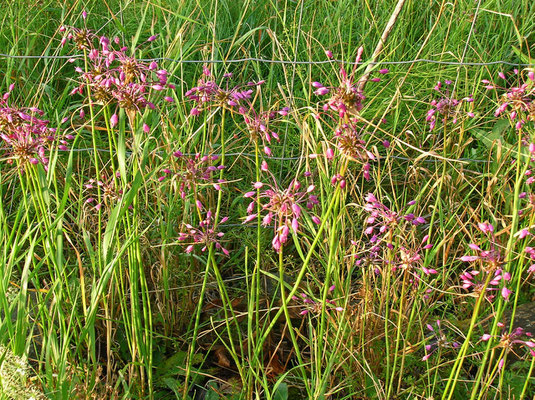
x: 26, y: 137
x: 204, y: 235
x: 383, y: 220
x: 258, y: 126
x: 283, y: 207
x: 208, y: 93
x: 509, y: 341
x: 410, y: 260
x: 517, y: 102
x: 490, y: 262
x: 347, y: 98
x: 490, y: 259
x: 352, y: 147
x: 104, y: 191
x: 113, y: 77
x: 446, y: 108
x: 437, y: 338
x: 193, y: 172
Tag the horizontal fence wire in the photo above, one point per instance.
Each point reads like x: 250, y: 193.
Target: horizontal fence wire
x: 289, y: 62
x: 294, y: 158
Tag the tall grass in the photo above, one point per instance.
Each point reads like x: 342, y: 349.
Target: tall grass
x: 116, y: 282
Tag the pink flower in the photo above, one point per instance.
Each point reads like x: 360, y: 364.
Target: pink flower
x: 204, y: 235
x: 114, y: 120
x: 283, y: 206
x: 505, y: 293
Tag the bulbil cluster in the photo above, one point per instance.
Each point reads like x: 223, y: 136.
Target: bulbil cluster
x: 282, y: 206
x: 112, y: 77
x: 26, y: 137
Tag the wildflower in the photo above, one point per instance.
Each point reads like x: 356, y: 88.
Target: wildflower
x: 283, y: 206
x: 437, y: 339
x: 113, y: 77
x: 508, y: 341
x: 352, y: 147
x: 110, y: 192
x: 114, y: 120
x: 208, y: 93
x: 530, y: 251
x: 490, y: 262
x: 518, y: 101
x: 347, y: 98
x: 258, y: 126
x: 204, y: 235
x: 192, y: 172
x: 447, y: 107
x: 382, y: 220
x: 27, y: 138
x: 411, y: 259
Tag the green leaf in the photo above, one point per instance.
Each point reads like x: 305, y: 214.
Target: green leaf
x: 116, y: 215
x: 211, y: 393
x: 525, y: 58
x: 174, y: 385
x: 497, y: 135
x: 281, y: 393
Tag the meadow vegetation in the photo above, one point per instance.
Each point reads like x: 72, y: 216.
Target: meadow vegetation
x: 228, y: 200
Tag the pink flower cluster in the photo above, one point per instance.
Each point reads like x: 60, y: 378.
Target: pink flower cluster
x: 109, y: 191
x: 238, y: 99
x: 111, y: 76
x: 258, y: 126
x: 348, y: 97
x: 283, y: 206
x: 349, y: 143
x: 192, y: 172
x: 447, y: 108
x: 517, y: 101
x: 490, y: 262
x: 437, y: 340
x: 204, y: 235
x: 25, y: 136
x: 209, y: 93
x: 508, y: 341
x: 346, y: 101
x: 411, y: 259
x: 382, y: 220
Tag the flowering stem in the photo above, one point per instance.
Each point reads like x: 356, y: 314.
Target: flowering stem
x: 508, y: 262
x: 288, y: 319
x: 327, y: 284
x: 456, y: 370
x: 95, y: 160
x: 528, y: 378
x: 301, y: 274
x: 497, y: 367
x: 210, y: 259
x: 254, y: 299
x: 398, y: 334
x: 196, y: 326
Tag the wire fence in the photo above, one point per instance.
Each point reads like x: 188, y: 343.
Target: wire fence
x: 292, y: 158
x: 286, y: 62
